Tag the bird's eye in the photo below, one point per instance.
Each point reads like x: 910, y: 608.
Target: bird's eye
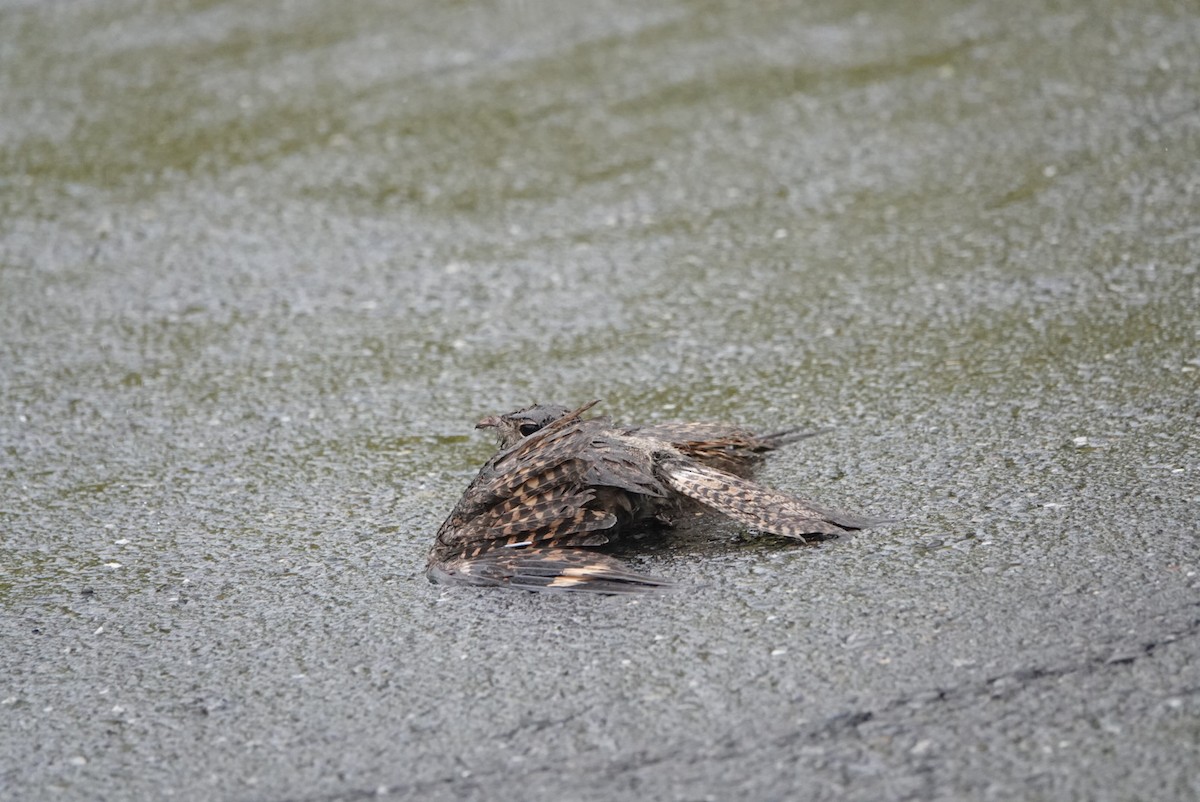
x: 527, y: 429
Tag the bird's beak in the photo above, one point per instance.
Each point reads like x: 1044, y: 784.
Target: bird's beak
x: 490, y: 422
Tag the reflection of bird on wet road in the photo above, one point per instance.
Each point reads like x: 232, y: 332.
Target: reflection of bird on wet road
x: 562, y: 483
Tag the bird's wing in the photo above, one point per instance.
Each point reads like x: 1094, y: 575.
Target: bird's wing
x: 549, y: 506
x: 548, y: 570
x: 757, y: 506
x: 540, y: 491
x: 539, y: 454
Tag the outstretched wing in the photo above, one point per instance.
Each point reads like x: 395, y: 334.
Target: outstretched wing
x: 569, y: 485
x: 757, y: 506
x: 530, y: 493
x: 548, y: 570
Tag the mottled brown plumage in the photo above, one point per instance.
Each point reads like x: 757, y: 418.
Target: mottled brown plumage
x: 562, y: 484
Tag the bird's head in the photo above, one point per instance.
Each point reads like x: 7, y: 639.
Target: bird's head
x: 513, y: 426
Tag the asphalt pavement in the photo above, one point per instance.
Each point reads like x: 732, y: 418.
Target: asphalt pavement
x: 263, y: 266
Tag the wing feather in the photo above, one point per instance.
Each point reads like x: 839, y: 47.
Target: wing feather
x: 549, y: 570
x: 757, y: 506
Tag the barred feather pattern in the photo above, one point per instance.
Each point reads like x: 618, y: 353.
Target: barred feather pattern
x: 756, y: 506
x: 562, y: 484
x: 567, y: 485
x: 548, y: 570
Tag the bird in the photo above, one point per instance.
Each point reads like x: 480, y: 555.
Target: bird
x: 561, y: 485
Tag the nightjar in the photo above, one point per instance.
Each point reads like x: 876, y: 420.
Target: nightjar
x: 562, y: 484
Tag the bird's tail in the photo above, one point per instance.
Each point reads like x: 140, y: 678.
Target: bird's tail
x: 756, y: 506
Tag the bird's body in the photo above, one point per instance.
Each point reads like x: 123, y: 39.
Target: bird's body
x: 563, y: 484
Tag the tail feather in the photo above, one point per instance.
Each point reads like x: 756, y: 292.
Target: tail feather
x: 757, y: 506
x: 548, y: 570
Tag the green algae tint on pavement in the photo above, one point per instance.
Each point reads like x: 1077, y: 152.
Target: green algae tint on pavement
x: 263, y: 265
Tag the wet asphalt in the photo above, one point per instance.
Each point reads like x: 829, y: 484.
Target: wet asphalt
x: 262, y: 267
